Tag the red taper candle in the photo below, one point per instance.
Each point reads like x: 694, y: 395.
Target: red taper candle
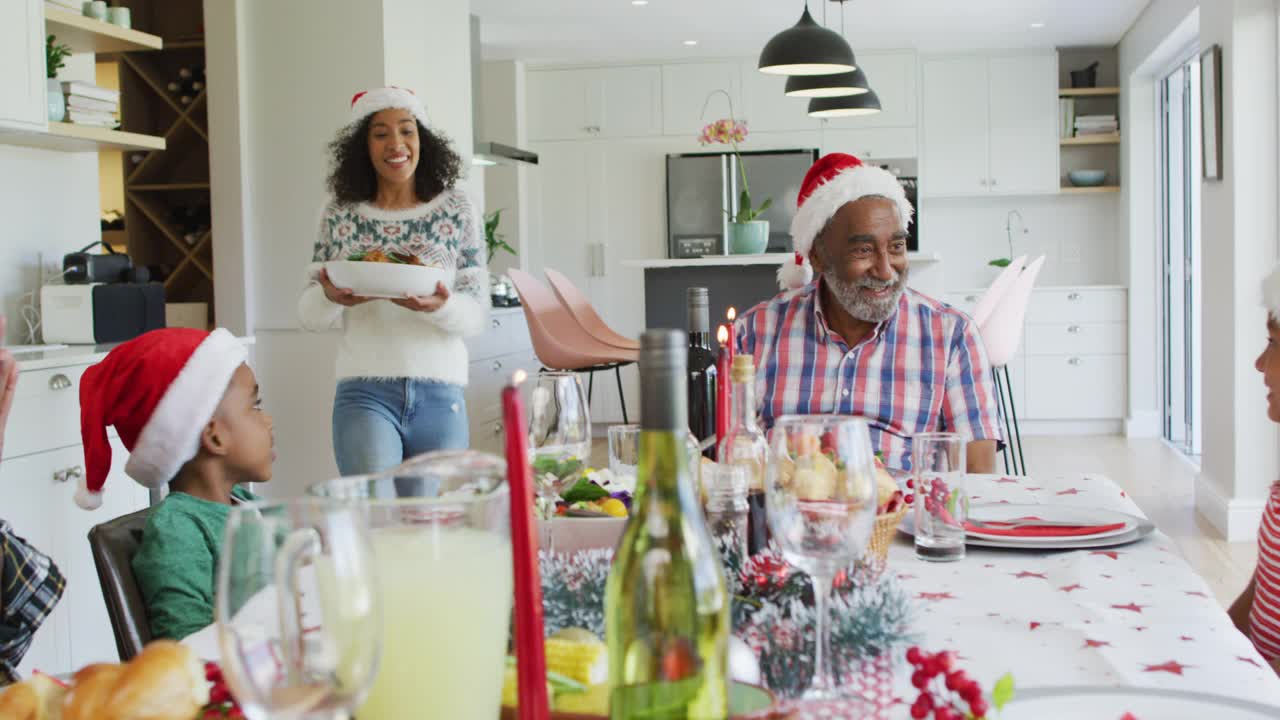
x: 531, y: 660
x: 723, y: 391
x: 732, y: 344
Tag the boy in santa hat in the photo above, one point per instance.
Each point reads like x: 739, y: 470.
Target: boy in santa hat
x: 187, y: 407
x: 849, y: 337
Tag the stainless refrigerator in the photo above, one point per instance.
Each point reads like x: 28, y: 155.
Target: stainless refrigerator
x: 703, y: 189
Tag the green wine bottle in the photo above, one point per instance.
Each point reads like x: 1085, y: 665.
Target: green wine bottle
x: 666, y: 603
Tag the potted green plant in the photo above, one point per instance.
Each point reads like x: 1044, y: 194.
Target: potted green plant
x: 748, y: 234
x: 494, y: 240
x: 55, y: 56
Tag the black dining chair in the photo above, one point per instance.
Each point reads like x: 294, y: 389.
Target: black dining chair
x: 114, y: 543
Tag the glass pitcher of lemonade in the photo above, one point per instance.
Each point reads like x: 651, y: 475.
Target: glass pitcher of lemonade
x: 440, y: 532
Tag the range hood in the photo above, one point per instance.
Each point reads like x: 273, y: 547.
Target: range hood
x: 487, y: 151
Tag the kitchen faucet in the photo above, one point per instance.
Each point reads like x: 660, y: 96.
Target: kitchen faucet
x: 1008, y: 229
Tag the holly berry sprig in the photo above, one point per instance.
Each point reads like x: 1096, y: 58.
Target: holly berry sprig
x: 944, y: 688
x: 222, y: 706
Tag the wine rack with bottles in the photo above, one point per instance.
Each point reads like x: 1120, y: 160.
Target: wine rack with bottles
x: 167, y: 192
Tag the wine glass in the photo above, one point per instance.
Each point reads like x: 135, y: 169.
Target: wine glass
x: 298, y: 613
x: 820, y: 498
x: 559, y: 435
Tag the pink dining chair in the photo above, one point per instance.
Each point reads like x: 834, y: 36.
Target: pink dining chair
x: 561, y: 343
x: 997, y: 289
x: 580, y: 308
x: 1001, y: 332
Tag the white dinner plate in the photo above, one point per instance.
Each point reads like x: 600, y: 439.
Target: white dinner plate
x: 1142, y: 527
x: 1111, y: 703
x: 1054, y: 514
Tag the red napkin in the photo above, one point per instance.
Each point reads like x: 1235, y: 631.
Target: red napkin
x: 1002, y: 529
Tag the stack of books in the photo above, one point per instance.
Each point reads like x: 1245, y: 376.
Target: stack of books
x: 1066, y: 117
x: 1096, y: 125
x: 88, y: 104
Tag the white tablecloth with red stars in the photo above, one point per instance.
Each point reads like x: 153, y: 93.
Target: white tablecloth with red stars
x: 1134, y: 615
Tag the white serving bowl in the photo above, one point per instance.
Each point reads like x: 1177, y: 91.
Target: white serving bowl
x: 387, y: 280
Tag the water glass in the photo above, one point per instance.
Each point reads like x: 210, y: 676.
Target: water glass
x: 727, y: 510
x: 624, y: 450
x: 298, y: 610
x: 942, y: 503
x: 559, y: 436
x: 440, y: 530
x: 624, y: 455
x: 820, y: 498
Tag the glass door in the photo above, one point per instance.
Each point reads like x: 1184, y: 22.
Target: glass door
x: 1180, y: 254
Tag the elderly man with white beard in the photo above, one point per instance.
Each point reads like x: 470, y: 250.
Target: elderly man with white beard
x: 850, y: 338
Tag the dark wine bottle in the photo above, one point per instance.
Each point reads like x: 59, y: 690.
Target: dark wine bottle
x: 702, y: 370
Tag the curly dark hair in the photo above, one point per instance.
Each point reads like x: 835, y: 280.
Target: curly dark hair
x: 352, y: 178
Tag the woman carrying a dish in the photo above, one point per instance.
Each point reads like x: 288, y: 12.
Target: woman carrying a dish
x: 401, y: 364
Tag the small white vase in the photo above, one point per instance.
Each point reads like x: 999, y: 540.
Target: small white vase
x: 57, y: 103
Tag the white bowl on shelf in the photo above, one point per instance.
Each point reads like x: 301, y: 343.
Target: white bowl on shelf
x: 387, y: 280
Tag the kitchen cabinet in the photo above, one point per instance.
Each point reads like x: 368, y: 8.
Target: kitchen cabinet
x: 765, y: 107
x: 1071, y: 364
x: 595, y: 207
x: 589, y: 103
x: 988, y: 125
x: 1024, y: 149
x: 494, y: 355
x: 43, y: 464
x: 688, y: 87
x: 893, y: 76
x: 23, y: 93
x: 871, y: 144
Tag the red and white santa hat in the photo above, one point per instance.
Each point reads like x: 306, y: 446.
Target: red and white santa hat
x: 833, y: 180
x: 159, y: 390
x: 368, y: 102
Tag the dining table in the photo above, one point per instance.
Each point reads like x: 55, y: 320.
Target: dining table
x: 1131, y: 616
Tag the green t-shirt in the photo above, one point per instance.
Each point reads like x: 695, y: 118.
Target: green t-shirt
x: 176, y: 567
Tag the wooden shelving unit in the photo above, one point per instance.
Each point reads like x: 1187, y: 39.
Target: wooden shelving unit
x: 1088, y: 92
x: 1109, y: 139
x: 163, y: 188
x: 87, y: 35
x: 1073, y: 190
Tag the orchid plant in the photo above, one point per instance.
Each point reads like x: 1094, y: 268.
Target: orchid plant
x: 732, y: 132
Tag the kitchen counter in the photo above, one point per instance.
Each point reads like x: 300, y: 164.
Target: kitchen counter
x: 29, y: 360
x: 740, y: 260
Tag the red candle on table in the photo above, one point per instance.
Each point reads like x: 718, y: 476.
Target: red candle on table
x: 733, y: 336
x: 531, y: 661
x: 723, y: 392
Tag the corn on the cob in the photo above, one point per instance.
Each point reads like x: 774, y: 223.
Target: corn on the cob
x: 586, y: 662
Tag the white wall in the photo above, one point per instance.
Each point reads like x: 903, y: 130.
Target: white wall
x: 1240, y: 459
x: 1078, y: 234
x: 280, y: 104
x: 49, y: 204
x: 1238, y: 231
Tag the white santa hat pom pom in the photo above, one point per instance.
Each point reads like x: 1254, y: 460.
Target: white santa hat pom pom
x: 795, y: 273
x: 85, y: 497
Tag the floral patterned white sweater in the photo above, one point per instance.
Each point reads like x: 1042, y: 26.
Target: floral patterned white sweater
x: 381, y: 339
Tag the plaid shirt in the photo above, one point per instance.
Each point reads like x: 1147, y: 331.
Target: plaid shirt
x: 30, y: 585
x: 923, y: 370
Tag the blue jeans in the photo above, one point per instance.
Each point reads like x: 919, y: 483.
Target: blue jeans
x: 379, y: 423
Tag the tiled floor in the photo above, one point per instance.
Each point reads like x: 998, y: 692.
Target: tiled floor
x: 1158, y: 479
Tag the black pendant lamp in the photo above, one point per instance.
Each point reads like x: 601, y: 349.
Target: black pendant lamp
x: 806, y: 48
x: 838, y: 85
x: 867, y: 103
